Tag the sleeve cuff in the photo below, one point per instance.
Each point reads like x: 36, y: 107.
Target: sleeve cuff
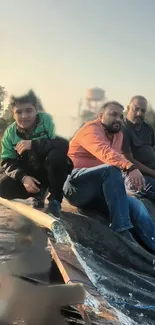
x: 34, y: 145
x: 20, y: 175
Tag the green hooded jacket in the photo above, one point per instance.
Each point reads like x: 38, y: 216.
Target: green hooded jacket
x: 44, y: 128
x: 41, y: 136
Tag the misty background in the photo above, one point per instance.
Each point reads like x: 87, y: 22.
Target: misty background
x: 59, y: 48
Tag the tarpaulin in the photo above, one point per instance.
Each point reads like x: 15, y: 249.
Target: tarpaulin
x: 123, y: 272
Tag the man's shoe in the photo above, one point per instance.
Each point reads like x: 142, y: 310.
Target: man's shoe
x: 127, y: 235
x: 54, y: 208
x: 38, y: 201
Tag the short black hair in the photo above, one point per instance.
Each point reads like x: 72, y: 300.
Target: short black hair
x: 137, y: 97
x: 103, y: 108
x: 30, y: 97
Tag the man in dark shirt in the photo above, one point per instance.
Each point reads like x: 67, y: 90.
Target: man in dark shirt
x: 139, y: 144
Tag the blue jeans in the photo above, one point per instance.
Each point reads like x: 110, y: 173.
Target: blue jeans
x: 105, y: 183
x: 149, y: 193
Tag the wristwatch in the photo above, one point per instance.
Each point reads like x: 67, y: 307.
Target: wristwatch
x: 130, y: 169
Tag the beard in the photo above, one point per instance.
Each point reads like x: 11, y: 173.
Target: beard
x: 111, y: 128
x: 138, y: 120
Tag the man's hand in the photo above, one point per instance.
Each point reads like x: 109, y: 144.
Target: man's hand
x: 30, y: 184
x: 23, y: 146
x: 137, y: 180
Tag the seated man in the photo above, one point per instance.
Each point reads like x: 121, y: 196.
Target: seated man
x: 139, y: 144
x: 95, y: 151
x: 33, y: 158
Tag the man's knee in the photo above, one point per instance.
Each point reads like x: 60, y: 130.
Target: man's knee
x: 59, y: 159
x: 55, y: 157
x: 112, y: 170
x: 61, y: 144
x: 64, y: 145
x: 58, y: 153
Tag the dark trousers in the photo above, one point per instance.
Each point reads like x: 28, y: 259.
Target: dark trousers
x: 52, y: 174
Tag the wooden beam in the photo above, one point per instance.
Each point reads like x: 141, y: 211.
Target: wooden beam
x: 72, y: 272
x: 38, y: 217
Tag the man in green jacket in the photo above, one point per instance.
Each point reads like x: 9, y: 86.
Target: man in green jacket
x: 34, y: 159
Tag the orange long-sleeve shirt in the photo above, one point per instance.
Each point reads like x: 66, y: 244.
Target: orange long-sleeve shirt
x: 91, y: 147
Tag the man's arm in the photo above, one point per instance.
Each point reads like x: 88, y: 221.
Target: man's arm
x: 9, y: 159
x: 93, y: 140
x: 127, y: 153
x: 12, y: 169
x: 143, y: 169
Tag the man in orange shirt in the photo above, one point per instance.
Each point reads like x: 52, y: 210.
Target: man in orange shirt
x: 97, y: 176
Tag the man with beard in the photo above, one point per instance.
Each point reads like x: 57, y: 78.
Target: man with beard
x: 97, y: 175
x: 139, y: 145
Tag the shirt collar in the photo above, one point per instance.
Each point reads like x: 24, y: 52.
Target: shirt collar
x: 24, y: 132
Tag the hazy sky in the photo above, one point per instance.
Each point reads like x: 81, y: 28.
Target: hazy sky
x: 61, y: 47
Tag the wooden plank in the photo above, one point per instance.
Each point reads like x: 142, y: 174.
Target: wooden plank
x: 72, y: 271
x: 38, y: 217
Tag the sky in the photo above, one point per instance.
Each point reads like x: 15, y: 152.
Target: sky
x: 62, y: 47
